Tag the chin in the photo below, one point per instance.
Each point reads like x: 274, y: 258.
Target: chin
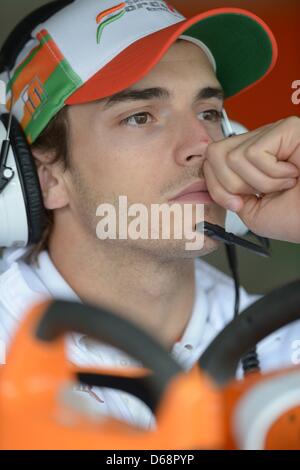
x: 179, y: 250
x: 215, y: 215
x: 210, y: 246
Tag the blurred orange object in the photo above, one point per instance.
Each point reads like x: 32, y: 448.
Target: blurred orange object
x: 261, y: 412
x: 32, y: 416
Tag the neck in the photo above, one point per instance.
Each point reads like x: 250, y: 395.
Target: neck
x: 154, y: 293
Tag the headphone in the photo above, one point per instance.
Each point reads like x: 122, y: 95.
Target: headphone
x: 22, y: 213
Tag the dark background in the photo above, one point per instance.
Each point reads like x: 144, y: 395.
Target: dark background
x: 268, y: 101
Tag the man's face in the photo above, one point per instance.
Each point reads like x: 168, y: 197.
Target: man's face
x: 148, y: 147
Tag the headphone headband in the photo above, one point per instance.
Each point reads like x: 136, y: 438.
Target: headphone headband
x: 21, y: 34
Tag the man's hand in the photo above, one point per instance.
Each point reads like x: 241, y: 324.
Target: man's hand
x: 264, y: 162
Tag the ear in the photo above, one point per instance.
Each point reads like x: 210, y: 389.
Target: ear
x: 52, y: 181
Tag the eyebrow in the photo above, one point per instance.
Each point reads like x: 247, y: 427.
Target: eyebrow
x: 148, y: 94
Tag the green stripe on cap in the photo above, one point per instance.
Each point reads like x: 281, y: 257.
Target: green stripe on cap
x: 106, y: 23
x: 61, y: 83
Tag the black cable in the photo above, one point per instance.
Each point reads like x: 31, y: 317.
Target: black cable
x: 250, y: 361
x: 233, y: 265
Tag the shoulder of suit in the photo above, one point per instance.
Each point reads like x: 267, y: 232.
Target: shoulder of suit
x: 19, y: 290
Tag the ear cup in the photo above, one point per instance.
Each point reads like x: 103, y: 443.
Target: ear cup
x: 29, y: 180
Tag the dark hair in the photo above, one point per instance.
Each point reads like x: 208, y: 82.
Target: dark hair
x: 54, y: 140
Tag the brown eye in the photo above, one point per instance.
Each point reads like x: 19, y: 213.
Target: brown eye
x: 211, y: 115
x: 139, y: 119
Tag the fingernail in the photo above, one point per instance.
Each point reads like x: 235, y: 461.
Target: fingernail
x: 233, y: 205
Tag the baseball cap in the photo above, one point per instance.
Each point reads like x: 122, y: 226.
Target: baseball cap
x: 93, y: 49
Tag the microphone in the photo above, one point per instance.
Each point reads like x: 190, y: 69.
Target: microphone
x: 219, y: 233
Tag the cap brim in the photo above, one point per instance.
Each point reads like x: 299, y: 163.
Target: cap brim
x: 242, y: 44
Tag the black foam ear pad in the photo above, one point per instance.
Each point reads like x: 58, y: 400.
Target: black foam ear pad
x: 29, y: 180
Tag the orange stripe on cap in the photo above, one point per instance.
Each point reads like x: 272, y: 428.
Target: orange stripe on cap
x: 42, y: 65
x: 110, y: 10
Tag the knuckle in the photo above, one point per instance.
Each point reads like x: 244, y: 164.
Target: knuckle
x: 252, y: 152
x: 233, y: 158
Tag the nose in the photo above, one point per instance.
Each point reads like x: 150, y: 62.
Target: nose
x: 192, y: 139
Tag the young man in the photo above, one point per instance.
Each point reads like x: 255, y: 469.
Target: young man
x: 141, y: 110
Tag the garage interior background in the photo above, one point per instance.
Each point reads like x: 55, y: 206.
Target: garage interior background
x: 267, y: 102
